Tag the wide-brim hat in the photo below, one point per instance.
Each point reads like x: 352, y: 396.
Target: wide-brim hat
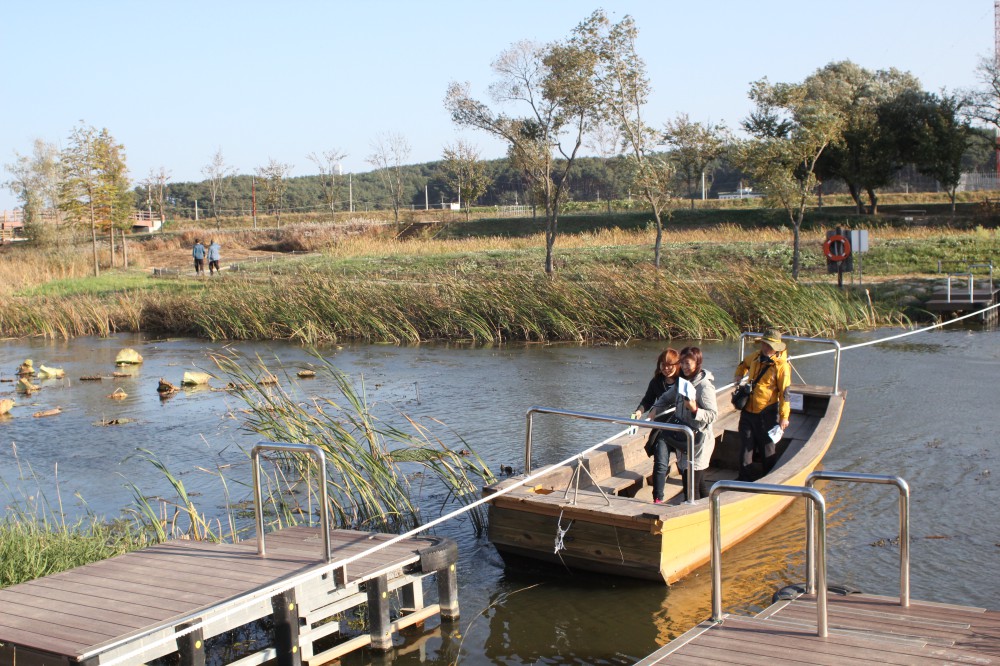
x: 773, y: 339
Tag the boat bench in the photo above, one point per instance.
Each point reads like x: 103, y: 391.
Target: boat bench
x: 627, y: 480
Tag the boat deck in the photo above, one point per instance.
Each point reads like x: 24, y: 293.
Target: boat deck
x: 863, y: 629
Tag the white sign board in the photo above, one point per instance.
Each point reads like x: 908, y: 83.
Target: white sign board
x: 795, y: 400
x: 859, y: 240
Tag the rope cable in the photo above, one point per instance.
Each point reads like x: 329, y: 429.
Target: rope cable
x: 288, y: 584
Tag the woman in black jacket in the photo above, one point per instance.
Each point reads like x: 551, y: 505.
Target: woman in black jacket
x: 667, y: 369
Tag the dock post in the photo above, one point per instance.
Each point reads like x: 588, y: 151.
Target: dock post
x: 286, y: 629
x: 441, y: 558
x: 447, y: 581
x: 191, y: 646
x: 379, y: 622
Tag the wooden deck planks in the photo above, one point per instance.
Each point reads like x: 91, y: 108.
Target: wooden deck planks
x: 864, y: 629
x: 71, y: 612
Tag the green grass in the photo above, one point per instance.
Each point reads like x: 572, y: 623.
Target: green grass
x: 107, y: 283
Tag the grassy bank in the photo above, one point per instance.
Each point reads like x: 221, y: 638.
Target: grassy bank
x: 322, y: 304
x: 362, y: 284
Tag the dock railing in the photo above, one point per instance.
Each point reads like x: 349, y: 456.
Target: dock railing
x: 818, y: 507
x: 688, y: 433
x: 324, y: 517
x: 969, y: 277
x: 796, y: 338
x: 904, y: 524
x: 816, y: 579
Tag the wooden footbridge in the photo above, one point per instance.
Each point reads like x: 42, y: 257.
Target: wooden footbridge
x: 172, y: 597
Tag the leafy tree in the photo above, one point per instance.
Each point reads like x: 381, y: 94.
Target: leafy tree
x: 273, y: 185
x: 328, y: 163
x: 553, y: 86
x: 932, y: 133
x: 621, y: 89
x: 218, y: 174
x: 864, y: 156
x: 791, y: 129
x: 389, y: 151
x: 694, y: 147
x: 35, y: 181
x: 465, y: 172
x: 95, y: 183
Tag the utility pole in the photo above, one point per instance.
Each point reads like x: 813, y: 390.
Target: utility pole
x: 350, y: 191
x: 253, y: 199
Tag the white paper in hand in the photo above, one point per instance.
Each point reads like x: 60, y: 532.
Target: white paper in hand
x: 686, y: 389
x: 775, y: 433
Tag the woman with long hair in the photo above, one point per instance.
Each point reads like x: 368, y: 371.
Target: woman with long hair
x: 697, y: 410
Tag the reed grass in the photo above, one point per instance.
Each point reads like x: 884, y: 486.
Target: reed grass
x: 370, y: 287
x: 36, y: 539
x: 369, y: 463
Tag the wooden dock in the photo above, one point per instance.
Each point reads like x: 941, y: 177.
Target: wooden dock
x: 129, y: 609
x: 863, y: 629
x: 961, y: 300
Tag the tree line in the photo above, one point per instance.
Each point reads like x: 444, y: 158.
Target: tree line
x: 574, y: 116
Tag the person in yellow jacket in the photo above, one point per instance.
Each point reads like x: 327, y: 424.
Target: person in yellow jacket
x: 770, y: 374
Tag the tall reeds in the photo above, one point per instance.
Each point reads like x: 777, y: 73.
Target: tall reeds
x: 369, y: 463
x: 36, y: 539
x: 602, y: 304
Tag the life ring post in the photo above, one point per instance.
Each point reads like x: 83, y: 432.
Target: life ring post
x: 837, y: 250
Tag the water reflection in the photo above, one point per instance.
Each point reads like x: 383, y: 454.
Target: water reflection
x: 922, y: 409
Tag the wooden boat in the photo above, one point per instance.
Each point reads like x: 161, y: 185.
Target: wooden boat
x: 611, y: 525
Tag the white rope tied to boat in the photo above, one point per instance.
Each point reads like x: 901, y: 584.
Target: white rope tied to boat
x: 560, y: 533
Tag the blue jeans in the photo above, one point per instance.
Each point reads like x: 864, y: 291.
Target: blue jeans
x: 661, y: 466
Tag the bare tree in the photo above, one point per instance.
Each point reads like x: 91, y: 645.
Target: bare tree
x: 272, y: 183
x: 791, y: 130
x: 156, y: 190
x: 328, y: 163
x: 218, y: 173
x: 389, y: 151
x: 622, y: 89
x: 554, y: 87
x: 984, y: 102
x: 466, y: 172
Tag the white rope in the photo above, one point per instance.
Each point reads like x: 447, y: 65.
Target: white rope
x: 288, y: 584
x: 561, y: 533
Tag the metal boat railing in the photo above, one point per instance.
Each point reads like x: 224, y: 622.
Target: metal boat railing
x: 324, y: 517
x: 796, y: 338
x: 818, y: 505
x: 904, y: 523
x: 688, y: 433
x: 816, y: 580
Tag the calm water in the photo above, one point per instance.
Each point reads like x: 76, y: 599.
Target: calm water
x: 922, y: 408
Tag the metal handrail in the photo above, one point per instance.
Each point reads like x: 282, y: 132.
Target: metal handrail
x: 961, y: 275
x: 324, y: 516
x: 819, y: 509
x: 989, y: 266
x: 904, y: 524
x: 688, y: 433
x: 796, y: 338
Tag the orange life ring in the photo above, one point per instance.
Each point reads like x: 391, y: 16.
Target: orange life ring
x: 837, y: 238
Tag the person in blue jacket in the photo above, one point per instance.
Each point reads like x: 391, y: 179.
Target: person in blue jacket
x: 213, y: 257
x: 199, y: 256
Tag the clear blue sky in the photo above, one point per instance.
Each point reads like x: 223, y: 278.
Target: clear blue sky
x: 175, y: 81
